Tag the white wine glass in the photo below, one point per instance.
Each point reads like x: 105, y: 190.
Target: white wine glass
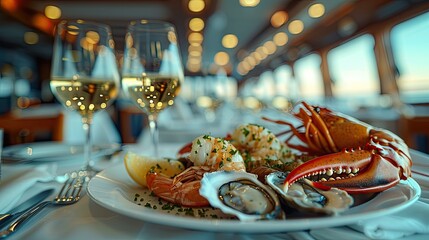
x: 152, y: 71
x: 84, y: 74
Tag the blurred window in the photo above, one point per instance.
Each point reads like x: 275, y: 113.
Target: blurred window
x: 309, y: 76
x: 354, y: 73
x: 283, y: 79
x: 266, y: 86
x: 410, y: 45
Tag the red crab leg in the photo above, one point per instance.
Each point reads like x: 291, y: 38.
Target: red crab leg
x: 321, y: 126
x: 369, y: 171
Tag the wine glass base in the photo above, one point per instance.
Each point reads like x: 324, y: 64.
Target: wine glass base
x: 90, y: 171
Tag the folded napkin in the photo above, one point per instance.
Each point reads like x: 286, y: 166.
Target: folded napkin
x: 14, y: 185
x: 412, y: 220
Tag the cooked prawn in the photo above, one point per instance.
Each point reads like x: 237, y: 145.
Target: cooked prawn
x: 208, y: 154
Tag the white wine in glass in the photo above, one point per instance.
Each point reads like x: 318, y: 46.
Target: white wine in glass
x: 84, y: 74
x: 152, y: 71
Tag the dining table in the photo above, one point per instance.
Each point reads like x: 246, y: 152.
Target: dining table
x: 107, y: 209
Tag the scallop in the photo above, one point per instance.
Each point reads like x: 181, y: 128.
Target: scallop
x: 241, y: 194
x: 303, y: 196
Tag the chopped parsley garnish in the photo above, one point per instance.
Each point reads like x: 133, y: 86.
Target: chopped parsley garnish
x: 233, y: 152
x: 245, y: 131
x: 221, y: 164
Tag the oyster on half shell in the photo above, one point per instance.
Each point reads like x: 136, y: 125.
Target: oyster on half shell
x: 304, y: 197
x: 240, y: 194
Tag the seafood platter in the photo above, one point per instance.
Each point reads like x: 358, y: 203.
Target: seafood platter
x: 322, y: 168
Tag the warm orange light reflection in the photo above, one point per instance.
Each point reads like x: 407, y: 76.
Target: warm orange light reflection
x: 279, y: 18
x: 10, y: 5
x: 42, y: 23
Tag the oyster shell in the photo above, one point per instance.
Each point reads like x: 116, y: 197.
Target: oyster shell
x: 240, y: 194
x: 302, y: 196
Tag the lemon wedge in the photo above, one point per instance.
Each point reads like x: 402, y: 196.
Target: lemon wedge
x: 138, y: 166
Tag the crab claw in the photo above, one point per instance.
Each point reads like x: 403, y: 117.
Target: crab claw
x: 360, y: 171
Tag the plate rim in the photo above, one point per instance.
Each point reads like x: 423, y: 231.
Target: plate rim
x: 113, y: 202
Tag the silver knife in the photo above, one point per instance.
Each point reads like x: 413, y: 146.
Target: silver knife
x: 23, y: 207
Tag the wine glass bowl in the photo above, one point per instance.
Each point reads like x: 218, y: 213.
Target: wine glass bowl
x: 152, y: 72
x: 84, y: 74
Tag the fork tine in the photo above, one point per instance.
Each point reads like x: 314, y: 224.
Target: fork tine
x: 69, y: 194
x: 64, y: 189
x: 67, y: 189
x: 78, y: 186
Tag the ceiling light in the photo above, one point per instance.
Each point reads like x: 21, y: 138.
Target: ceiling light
x: 196, y: 5
x: 196, y: 24
x: 241, y: 70
x: 316, y: 10
x: 195, y: 37
x: 52, y: 12
x: 31, y: 38
x: 195, y: 48
x: 257, y: 56
x: 194, y: 60
x: 195, y: 53
x: 249, y: 3
x: 296, y: 26
x: 271, y: 47
x: 246, y: 66
x: 193, y: 67
x: 280, y: 39
x: 229, y: 41
x: 250, y: 60
x: 195, y: 44
x: 279, y: 18
x: 221, y: 58
x: 263, y: 52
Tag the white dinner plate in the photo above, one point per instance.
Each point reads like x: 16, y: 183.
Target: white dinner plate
x: 115, y: 190
x: 52, y: 151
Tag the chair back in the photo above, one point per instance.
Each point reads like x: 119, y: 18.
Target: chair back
x: 25, y: 129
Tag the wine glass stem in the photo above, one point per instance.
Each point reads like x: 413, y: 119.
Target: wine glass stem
x: 87, y: 147
x: 153, y: 128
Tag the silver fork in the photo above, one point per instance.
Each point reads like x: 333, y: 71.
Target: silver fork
x: 69, y: 194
